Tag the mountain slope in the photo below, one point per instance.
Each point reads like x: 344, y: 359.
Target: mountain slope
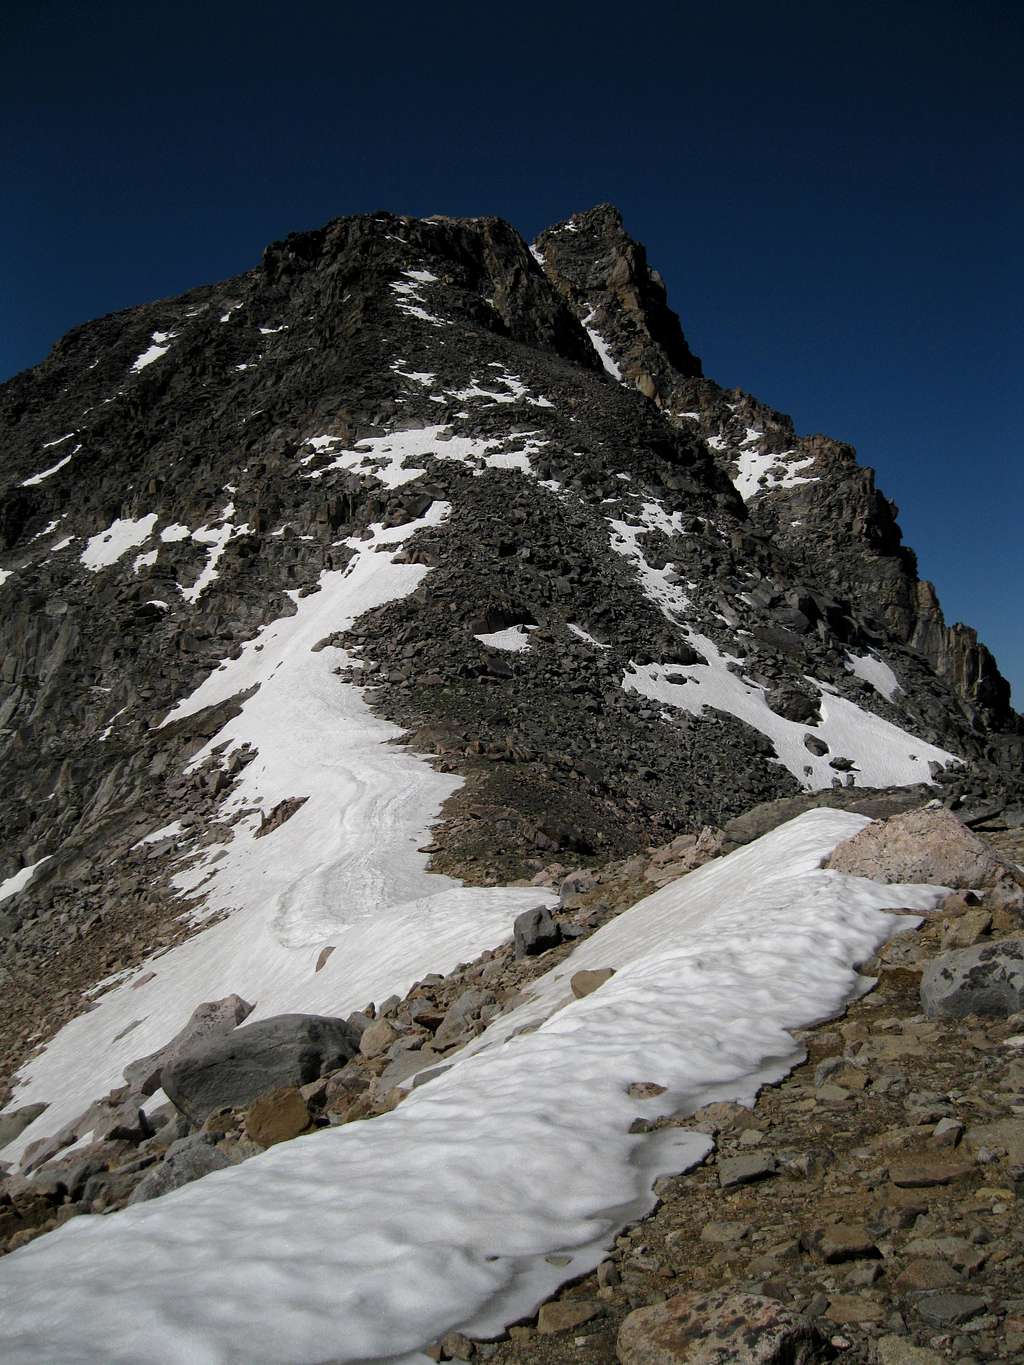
x: 398, y: 454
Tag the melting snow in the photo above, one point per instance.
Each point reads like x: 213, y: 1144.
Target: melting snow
x: 158, y: 349
x: 601, y: 347
x: 19, y: 880
x: 410, y: 298
x: 166, y: 832
x: 371, y: 1239
x: 758, y: 471
x: 48, y: 445
x: 45, y: 473
x: 876, y: 672
x: 175, y: 532
x: 515, y: 639
x: 589, y: 639
x: 884, y: 755
x: 122, y: 535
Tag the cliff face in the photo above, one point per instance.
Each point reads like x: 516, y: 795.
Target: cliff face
x: 807, y: 492
x: 631, y: 602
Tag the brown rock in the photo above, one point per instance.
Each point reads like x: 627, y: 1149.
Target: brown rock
x: 853, y: 1308
x: 586, y: 982
x: 921, y: 1274
x: 707, y: 1329
x: 893, y: 1350
x: 563, y: 1314
x: 843, y: 1242
x: 277, y: 1117
x: 925, y: 1169
x: 377, y: 1038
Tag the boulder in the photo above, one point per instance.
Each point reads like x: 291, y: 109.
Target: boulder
x: 277, y: 1117
x: 929, y: 845
x: 986, y: 979
x: 534, y: 932
x: 179, y: 1168
x: 211, y: 1019
x: 15, y: 1121
x: 706, y: 1329
x: 587, y: 981
x: 234, y: 1069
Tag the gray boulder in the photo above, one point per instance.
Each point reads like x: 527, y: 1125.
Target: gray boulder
x: 233, y: 1069
x: 15, y: 1121
x: 534, y: 932
x: 179, y: 1168
x: 213, y: 1018
x: 986, y: 979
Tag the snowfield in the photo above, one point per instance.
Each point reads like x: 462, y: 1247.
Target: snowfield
x: 372, y: 1239
x: 343, y: 872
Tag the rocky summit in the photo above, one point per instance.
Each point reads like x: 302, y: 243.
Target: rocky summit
x: 384, y: 623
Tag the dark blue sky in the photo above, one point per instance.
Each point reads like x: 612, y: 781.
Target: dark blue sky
x: 831, y: 190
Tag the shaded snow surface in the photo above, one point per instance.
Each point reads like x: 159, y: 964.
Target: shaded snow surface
x: 371, y: 1239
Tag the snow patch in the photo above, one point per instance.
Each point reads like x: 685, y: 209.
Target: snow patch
x: 876, y: 672
x: 45, y: 473
x: 883, y: 754
x: 107, y: 547
x: 159, y: 348
x: 601, y: 346
x: 515, y: 639
x: 760, y: 471
x: 20, y: 879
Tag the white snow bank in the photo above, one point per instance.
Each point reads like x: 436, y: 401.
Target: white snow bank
x: 372, y: 1239
x: 19, y: 880
x: 884, y: 755
x: 123, y: 534
x: 876, y: 672
x: 344, y: 871
x: 5, y: 574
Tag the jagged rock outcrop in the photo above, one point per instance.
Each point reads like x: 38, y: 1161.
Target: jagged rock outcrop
x: 807, y: 492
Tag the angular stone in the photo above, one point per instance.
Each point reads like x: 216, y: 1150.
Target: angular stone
x: 277, y: 1117
x: 853, y: 1308
x: 377, y: 1038
x: 744, y: 1170
x: 587, y: 981
x: 709, y: 1329
x: 563, y: 1314
x: 534, y: 932
x: 843, y: 1242
x: 950, y: 1309
x: 926, y: 1169
x: 922, y: 1274
x: 987, y: 979
x: 893, y: 1350
x: 177, y: 1169
x: 726, y: 1233
x: 234, y: 1070
x: 15, y: 1121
